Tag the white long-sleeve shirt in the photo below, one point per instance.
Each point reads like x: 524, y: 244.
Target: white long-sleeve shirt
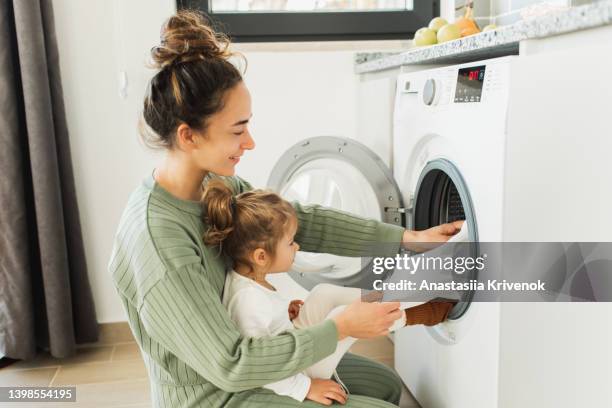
x: 259, y: 311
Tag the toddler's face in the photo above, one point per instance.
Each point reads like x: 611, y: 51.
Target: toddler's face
x: 285, y: 251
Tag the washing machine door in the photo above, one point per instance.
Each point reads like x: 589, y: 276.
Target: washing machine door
x: 343, y: 174
x: 442, y: 196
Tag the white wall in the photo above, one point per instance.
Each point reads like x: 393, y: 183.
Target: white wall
x: 295, y: 95
x: 97, y: 39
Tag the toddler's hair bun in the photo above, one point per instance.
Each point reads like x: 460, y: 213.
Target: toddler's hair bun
x: 187, y: 36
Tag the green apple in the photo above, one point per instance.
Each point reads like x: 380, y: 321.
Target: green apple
x: 489, y: 27
x: 425, y: 36
x: 448, y: 33
x: 437, y: 23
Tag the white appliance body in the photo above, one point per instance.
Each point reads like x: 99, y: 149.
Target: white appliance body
x: 436, y: 368
x: 531, y: 151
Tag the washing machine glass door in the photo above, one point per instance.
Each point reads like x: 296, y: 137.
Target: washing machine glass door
x: 342, y: 174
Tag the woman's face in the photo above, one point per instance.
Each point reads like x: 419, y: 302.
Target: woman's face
x: 227, y: 135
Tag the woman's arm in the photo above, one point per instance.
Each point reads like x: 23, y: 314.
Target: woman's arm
x: 186, y: 316
x: 323, y: 229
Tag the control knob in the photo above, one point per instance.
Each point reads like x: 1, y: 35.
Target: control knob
x: 431, y: 91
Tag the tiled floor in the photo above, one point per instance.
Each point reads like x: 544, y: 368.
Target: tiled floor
x: 111, y: 373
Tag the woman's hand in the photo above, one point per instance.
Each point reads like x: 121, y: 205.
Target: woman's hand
x: 294, y: 308
x: 421, y: 241
x: 326, y: 392
x: 365, y: 320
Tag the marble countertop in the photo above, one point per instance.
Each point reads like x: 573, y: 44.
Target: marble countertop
x: 502, y: 41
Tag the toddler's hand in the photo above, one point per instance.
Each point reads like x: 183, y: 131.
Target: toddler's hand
x: 326, y: 392
x: 294, y: 308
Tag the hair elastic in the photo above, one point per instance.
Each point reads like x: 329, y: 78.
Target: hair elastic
x: 233, y: 205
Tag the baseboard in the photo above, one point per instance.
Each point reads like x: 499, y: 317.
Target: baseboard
x: 112, y: 333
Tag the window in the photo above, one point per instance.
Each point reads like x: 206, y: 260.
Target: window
x: 317, y: 20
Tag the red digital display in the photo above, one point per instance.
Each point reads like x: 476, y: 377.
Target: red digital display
x: 469, y: 84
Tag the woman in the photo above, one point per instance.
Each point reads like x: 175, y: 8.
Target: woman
x: 170, y: 283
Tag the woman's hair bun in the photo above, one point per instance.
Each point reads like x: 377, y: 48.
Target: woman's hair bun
x: 187, y: 36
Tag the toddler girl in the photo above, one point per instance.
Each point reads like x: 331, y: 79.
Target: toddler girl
x: 256, y: 230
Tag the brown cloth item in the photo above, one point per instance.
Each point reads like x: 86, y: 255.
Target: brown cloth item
x: 431, y: 313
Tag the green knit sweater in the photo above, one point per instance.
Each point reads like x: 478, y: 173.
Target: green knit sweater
x: 171, y: 285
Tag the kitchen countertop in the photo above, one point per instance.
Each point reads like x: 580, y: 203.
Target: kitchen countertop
x: 502, y: 41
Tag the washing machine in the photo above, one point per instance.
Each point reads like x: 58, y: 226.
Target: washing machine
x: 340, y: 173
x: 519, y: 148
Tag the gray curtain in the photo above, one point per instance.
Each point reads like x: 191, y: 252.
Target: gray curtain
x: 45, y: 297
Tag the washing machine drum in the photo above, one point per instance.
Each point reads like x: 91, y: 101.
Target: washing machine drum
x: 342, y: 174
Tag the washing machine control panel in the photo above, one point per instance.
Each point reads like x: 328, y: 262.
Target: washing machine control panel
x: 466, y: 84
x: 469, y: 84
